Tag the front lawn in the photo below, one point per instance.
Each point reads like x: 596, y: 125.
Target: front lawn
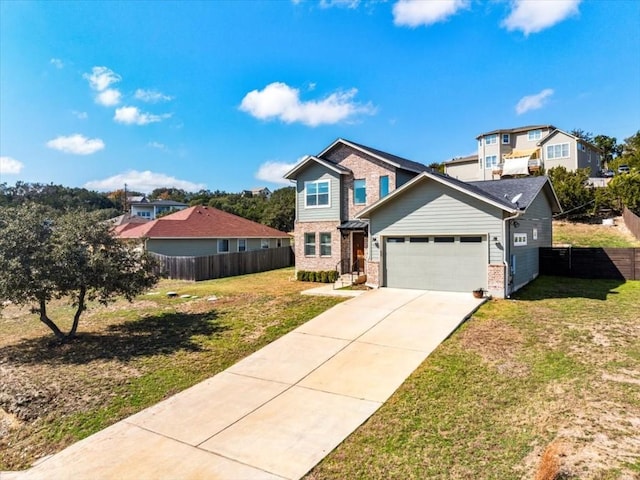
x: 130, y: 356
x: 559, y: 364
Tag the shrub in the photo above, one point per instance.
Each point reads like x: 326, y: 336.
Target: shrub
x: 323, y: 276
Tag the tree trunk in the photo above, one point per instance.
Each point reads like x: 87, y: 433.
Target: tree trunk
x: 76, y: 317
x: 44, y: 319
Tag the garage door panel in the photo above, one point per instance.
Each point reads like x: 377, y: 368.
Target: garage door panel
x: 436, y: 265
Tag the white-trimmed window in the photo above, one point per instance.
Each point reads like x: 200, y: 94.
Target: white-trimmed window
x: 325, y: 244
x: 360, y: 191
x: 559, y: 150
x: 506, y: 139
x: 279, y: 242
x: 490, y: 161
x: 143, y: 213
x: 242, y: 244
x: 491, y: 139
x: 534, y: 135
x: 317, y: 193
x: 223, y: 245
x: 264, y: 243
x: 310, y: 244
x: 384, y: 185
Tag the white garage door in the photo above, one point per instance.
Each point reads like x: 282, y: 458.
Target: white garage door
x: 448, y: 263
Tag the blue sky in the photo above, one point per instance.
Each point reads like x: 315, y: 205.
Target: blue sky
x: 230, y: 95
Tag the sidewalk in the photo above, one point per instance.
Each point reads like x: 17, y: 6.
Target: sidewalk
x: 278, y: 412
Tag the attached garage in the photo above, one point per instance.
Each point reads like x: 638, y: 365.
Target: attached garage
x: 438, y: 233
x: 438, y: 262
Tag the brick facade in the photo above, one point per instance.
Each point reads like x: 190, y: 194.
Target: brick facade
x: 365, y: 168
x: 495, y: 280
x: 317, y: 262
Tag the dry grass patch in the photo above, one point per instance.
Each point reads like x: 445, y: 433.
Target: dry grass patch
x: 593, y: 235
x: 131, y: 355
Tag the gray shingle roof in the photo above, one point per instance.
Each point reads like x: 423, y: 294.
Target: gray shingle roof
x: 402, y: 162
x: 506, y: 190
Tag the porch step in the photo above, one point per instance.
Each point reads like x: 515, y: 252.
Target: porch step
x: 348, y: 279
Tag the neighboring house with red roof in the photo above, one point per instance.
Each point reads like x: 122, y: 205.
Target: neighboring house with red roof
x: 201, y: 231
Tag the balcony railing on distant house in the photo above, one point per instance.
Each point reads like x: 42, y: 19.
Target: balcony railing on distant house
x: 519, y: 162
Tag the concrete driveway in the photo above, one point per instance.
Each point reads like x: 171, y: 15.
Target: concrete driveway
x: 278, y: 412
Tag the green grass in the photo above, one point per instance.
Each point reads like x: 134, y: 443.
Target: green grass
x: 591, y: 235
x: 130, y: 356
x: 516, y: 376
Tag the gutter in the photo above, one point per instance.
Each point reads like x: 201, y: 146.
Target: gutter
x: 504, y: 252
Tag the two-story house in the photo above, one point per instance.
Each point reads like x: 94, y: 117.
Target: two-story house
x: 407, y: 226
x: 332, y: 187
x: 524, y: 151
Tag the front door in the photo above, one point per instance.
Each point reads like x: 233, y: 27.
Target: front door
x: 357, y: 240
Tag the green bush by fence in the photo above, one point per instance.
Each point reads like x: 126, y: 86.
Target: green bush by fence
x: 325, y: 276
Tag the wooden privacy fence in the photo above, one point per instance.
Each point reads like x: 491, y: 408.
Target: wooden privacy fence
x: 613, y: 263
x: 224, y: 265
x: 632, y: 221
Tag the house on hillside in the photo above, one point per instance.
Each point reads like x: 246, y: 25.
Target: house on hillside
x: 257, y: 192
x: 151, y: 209
x: 202, y: 231
x: 331, y: 188
x: 406, y: 226
x: 525, y: 151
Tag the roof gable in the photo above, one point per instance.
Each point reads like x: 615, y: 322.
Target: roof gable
x: 384, y: 157
x: 577, y: 139
x: 498, y: 193
x: 202, y: 222
x: 310, y: 159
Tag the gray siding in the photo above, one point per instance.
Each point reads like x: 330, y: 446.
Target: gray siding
x: 431, y: 208
x: 185, y: 247
x: 537, y: 217
x: 402, y: 177
x: 312, y: 173
x: 198, y: 247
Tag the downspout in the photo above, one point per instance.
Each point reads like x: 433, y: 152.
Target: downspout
x: 507, y: 241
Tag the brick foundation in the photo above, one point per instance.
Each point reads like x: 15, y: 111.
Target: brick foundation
x: 495, y: 280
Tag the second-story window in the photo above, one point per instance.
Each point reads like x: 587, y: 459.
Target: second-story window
x: 359, y: 192
x: 506, y: 139
x: 491, y: 139
x: 534, y: 135
x: 490, y: 161
x: 384, y: 186
x: 560, y: 150
x: 317, y: 193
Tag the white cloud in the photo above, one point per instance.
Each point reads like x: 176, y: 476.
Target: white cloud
x: 274, y: 171
x: 413, y: 13
x: 109, y: 97
x: 532, y: 16
x: 351, y: 4
x: 80, y: 115
x: 76, y: 144
x: 56, y: 62
x: 152, y: 96
x: 101, y: 78
x: 157, y: 145
x: 10, y: 166
x: 278, y: 100
x: 146, y: 181
x: 133, y: 116
x: 533, y: 102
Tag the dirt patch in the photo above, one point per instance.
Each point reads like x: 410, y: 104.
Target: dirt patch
x: 498, y: 344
